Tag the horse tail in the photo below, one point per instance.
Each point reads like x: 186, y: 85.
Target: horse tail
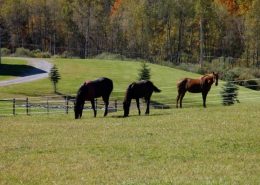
x: 181, y: 84
x: 155, y: 89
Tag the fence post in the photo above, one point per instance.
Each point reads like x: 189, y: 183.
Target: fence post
x: 14, y: 106
x: 116, y: 105
x: 67, y: 105
x: 27, y: 106
x: 96, y: 102
x: 47, y: 105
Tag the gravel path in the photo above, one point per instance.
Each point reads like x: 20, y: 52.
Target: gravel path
x: 42, y: 68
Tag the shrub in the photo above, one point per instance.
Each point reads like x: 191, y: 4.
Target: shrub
x: 39, y: 54
x: 54, y: 76
x: 229, y: 93
x: 144, y: 72
x: 5, y: 51
x: 22, y: 52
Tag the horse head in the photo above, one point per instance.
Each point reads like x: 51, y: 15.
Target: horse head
x: 78, y: 106
x: 126, y: 106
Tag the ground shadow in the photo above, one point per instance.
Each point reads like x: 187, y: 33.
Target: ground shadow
x: 19, y: 70
x: 135, y: 115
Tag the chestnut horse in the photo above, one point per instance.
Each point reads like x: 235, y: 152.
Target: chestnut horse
x: 101, y: 87
x: 142, y: 89
x: 200, y: 85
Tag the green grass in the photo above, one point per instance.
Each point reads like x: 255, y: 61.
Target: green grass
x: 11, y: 68
x: 75, y: 71
x: 217, y: 145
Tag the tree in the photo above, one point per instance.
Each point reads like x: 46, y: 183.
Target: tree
x: 54, y: 77
x: 229, y: 93
x: 144, y: 72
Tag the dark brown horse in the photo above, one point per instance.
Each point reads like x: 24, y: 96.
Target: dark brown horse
x: 101, y: 87
x: 142, y: 89
x: 200, y: 85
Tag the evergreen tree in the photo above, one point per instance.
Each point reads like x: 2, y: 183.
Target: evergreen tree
x: 54, y: 77
x: 144, y: 72
x: 229, y: 93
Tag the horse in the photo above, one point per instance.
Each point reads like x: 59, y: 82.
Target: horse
x: 141, y: 89
x: 200, y: 85
x: 101, y: 87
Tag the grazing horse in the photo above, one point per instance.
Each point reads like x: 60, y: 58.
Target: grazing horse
x: 142, y: 89
x: 200, y: 85
x: 101, y: 87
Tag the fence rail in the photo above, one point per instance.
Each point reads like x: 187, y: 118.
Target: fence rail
x: 65, y: 105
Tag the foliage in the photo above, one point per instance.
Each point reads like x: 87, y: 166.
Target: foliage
x: 5, y: 51
x: 229, y: 93
x: 167, y: 30
x: 144, y: 72
x: 54, y: 77
x: 22, y: 52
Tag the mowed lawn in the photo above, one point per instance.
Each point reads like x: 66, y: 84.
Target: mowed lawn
x: 193, y: 145
x: 217, y: 145
x: 75, y: 71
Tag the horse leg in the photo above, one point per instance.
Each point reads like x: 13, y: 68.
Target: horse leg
x: 106, y: 101
x: 93, y: 107
x: 177, y: 100
x: 181, y: 98
x: 204, y: 97
x: 147, y: 105
x: 138, y: 105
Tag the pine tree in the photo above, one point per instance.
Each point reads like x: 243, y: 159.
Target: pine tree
x: 144, y: 72
x: 54, y: 77
x: 229, y: 93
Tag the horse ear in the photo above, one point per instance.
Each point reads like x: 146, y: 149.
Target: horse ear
x: 213, y: 73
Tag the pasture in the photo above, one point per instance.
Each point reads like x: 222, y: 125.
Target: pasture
x: 217, y: 145
x: 193, y: 145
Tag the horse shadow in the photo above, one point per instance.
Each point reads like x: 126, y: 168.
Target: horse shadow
x: 20, y: 70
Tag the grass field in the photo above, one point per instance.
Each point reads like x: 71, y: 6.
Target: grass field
x: 75, y: 71
x: 218, y: 145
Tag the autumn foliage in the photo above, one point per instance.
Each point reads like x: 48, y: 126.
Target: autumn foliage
x: 235, y: 7
x: 116, y: 6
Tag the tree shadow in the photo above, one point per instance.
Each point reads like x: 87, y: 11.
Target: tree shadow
x: 19, y: 70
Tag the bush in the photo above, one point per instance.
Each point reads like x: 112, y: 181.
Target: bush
x: 5, y: 52
x: 229, y: 93
x: 22, y: 52
x: 144, y: 72
x: 39, y: 54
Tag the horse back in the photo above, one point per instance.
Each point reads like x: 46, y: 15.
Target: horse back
x: 140, y: 89
x: 190, y: 85
x: 97, y: 88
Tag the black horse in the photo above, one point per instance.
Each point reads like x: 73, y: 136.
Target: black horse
x: 101, y: 87
x: 142, y: 89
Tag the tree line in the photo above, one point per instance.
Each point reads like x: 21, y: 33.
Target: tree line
x: 170, y: 30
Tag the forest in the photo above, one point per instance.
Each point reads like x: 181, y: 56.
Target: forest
x: 176, y: 31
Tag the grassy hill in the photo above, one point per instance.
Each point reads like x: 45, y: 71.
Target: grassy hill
x: 75, y: 71
x: 217, y: 145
